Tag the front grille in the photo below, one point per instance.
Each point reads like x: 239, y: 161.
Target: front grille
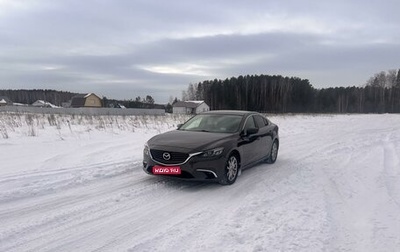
x: 175, y: 157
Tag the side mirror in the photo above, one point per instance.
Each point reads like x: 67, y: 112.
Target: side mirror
x: 179, y: 125
x: 249, y: 132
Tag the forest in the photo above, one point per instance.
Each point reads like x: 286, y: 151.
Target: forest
x: 263, y: 93
x: 29, y: 96
x: 278, y: 94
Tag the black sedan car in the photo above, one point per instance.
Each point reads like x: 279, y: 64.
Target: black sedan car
x: 214, y: 145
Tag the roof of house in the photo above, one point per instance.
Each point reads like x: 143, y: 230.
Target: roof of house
x: 187, y: 104
x: 6, y: 99
x: 78, y: 101
x: 3, y: 101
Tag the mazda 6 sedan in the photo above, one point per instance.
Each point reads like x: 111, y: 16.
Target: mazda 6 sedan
x: 213, y: 146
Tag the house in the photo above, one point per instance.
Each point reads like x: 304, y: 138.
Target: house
x: 189, y: 107
x: 86, y: 100
x: 5, y: 101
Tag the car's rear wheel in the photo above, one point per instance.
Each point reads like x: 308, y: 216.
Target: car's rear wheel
x: 273, y: 154
x: 231, y: 171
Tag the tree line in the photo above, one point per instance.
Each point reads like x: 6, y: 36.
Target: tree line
x: 29, y: 96
x: 147, y: 102
x: 278, y: 94
x: 264, y: 93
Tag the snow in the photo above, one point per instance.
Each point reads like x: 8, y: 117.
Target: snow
x: 41, y: 103
x: 193, y: 101
x: 70, y: 183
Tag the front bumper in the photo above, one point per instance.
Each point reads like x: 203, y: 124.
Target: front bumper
x: 196, y: 168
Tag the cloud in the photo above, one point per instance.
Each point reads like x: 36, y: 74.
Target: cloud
x: 122, y: 49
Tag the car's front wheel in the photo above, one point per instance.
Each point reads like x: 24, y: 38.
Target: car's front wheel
x: 231, y: 171
x: 273, y: 154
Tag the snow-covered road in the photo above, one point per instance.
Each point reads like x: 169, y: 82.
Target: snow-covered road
x: 334, y: 187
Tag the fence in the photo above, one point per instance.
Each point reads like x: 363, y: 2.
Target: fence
x: 82, y: 111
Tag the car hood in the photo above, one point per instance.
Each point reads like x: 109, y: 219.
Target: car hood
x: 182, y: 140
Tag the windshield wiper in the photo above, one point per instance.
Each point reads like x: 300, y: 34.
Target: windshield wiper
x: 197, y: 130
x: 203, y: 130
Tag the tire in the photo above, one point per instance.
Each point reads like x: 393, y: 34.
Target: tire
x: 231, y: 171
x: 273, y: 154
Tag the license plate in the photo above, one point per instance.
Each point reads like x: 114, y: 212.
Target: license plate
x: 170, y: 170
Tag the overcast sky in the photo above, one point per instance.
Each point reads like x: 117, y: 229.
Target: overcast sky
x: 124, y: 49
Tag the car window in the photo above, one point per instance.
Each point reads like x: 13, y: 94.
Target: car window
x: 260, y: 121
x: 250, y: 123
x: 193, y: 123
x: 213, y: 123
x: 228, y: 123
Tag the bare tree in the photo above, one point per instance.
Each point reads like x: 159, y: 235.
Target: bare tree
x: 391, y: 78
x: 184, y: 96
x: 398, y: 79
x: 191, y: 92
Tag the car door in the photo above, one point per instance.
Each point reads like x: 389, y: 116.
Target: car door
x: 250, y: 143
x: 265, y: 133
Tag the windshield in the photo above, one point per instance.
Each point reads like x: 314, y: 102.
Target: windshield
x: 213, y: 123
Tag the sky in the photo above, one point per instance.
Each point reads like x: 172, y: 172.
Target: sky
x: 122, y: 49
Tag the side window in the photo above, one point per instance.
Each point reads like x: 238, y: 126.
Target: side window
x: 250, y: 123
x: 261, y: 122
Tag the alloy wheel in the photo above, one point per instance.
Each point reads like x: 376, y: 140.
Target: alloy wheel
x: 274, y: 153
x: 232, y: 169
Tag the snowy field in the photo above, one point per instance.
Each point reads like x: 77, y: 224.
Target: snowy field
x: 76, y: 184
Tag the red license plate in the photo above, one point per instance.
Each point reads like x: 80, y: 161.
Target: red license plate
x: 174, y: 170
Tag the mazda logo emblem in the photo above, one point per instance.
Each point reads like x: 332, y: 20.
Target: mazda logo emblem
x: 166, y: 156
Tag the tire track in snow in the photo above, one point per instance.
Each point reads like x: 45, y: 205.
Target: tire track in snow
x: 121, y: 218
x: 20, y: 186
x: 71, y: 212
x: 392, y: 169
x: 356, y: 204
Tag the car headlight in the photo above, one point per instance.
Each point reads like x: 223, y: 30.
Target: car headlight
x: 213, y: 152
x: 146, y: 150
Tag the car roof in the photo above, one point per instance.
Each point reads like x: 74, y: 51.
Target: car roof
x: 230, y: 112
